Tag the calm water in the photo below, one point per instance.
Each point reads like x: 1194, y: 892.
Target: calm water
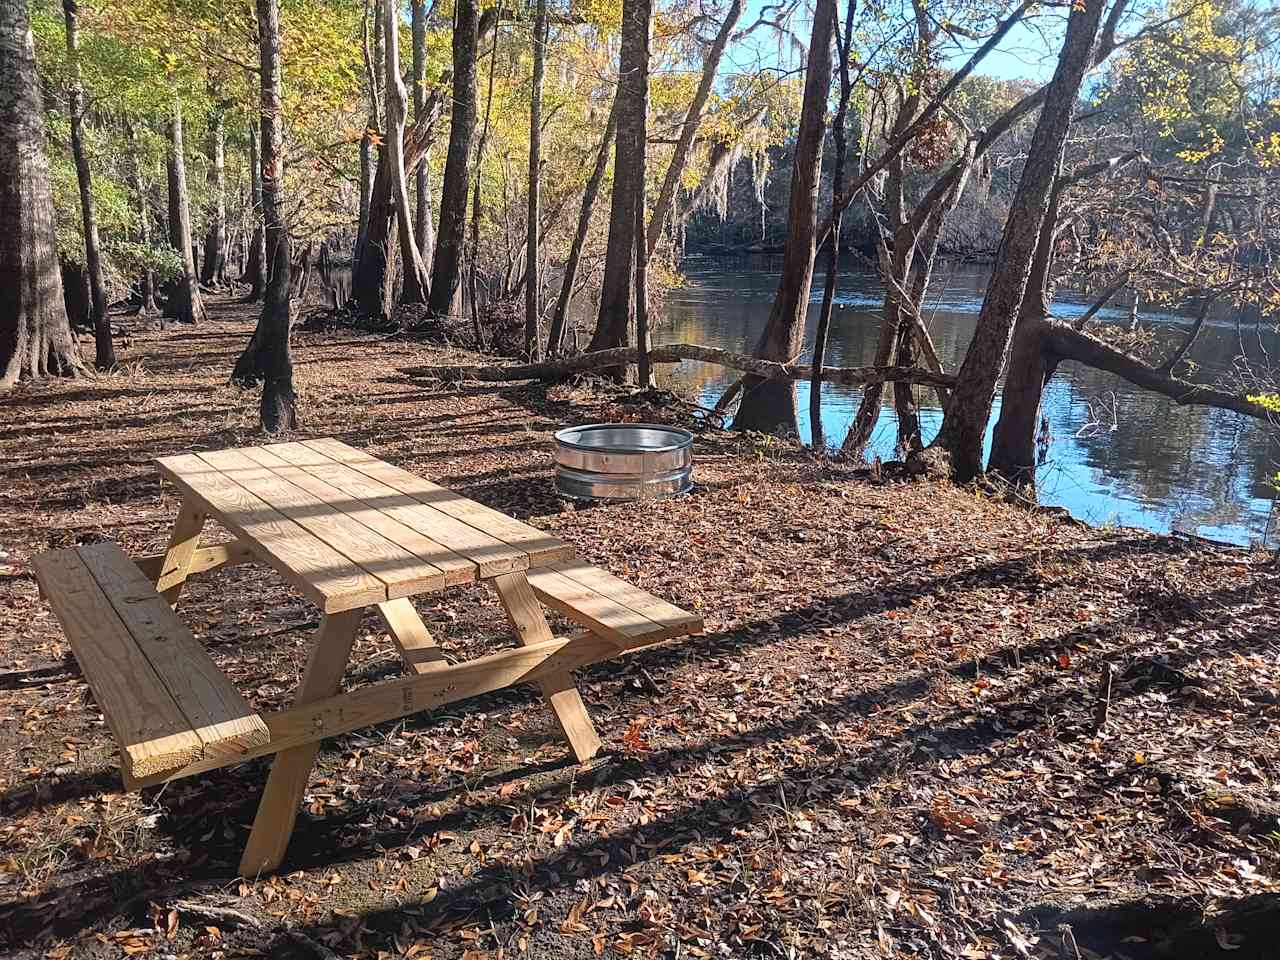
x: 1119, y: 454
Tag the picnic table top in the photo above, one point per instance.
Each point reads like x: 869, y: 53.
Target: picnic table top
x: 350, y: 530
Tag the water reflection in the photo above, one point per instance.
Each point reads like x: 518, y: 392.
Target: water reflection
x: 1118, y: 454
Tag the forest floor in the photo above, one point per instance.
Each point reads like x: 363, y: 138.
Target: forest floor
x: 886, y: 744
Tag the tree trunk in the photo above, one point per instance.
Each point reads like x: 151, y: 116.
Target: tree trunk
x: 35, y: 338
x: 644, y: 370
x: 674, y: 353
x: 104, y: 351
x: 373, y: 271
x: 446, y: 269
x: 76, y: 296
x: 818, y: 435
x: 373, y: 65
x: 267, y: 354
x: 616, y: 291
x: 300, y: 274
x: 256, y: 273
x: 367, y: 174
x: 215, y: 240
x: 965, y: 422
x: 533, y: 286
x: 556, y: 336
x: 414, y: 289
x: 372, y: 286
x: 185, y: 304
x: 146, y: 282
x: 475, y: 199
x: 768, y: 405
x: 422, y: 221
x: 1013, y: 443
x: 689, y: 129
x: 896, y: 266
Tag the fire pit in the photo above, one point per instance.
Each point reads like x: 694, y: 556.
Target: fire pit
x: 623, y: 461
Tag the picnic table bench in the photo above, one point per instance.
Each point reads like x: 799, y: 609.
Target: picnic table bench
x: 350, y: 532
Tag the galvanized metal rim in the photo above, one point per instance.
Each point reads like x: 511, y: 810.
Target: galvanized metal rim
x: 685, y: 438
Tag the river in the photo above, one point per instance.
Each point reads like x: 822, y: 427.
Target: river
x: 1119, y: 455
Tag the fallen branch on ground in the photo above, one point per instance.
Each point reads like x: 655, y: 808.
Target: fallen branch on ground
x: 674, y: 353
x: 223, y: 915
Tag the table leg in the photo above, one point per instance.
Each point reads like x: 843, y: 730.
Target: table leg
x: 182, y: 548
x: 417, y: 647
x: 278, y: 810
x: 525, y: 615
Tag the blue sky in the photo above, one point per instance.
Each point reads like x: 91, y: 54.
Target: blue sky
x: 1028, y: 52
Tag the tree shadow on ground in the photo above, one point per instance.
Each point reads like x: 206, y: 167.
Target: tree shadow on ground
x: 209, y: 816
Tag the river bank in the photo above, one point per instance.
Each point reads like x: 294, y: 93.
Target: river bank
x: 894, y: 739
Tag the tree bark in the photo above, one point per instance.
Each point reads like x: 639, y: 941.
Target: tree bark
x: 215, y: 240
x: 644, y: 369
x: 474, y: 256
x: 689, y: 129
x: 373, y: 65
x: 446, y: 271
x: 617, y: 296
x: 35, y: 337
x: 674, y: 353
x: 104, y: 351
x: 373, y: 273
x: 267, y: 356
x: 818, y: 438
x: 1013, y: 442
x: 556, y: 335
x: 965, y: 422
x: 1040, y: 345
x: 76, y: 296
x: 414, y: 288
x: 533, y: 284
x: 373, y: 285
x: 422, y: 221
x: 185, y: 303
x: 770, y: 405
x: 256, y: 272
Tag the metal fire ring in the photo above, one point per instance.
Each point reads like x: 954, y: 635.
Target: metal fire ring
x: 623, y: 461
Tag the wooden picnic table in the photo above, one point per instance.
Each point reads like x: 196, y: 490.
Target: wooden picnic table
x: 350, y: 532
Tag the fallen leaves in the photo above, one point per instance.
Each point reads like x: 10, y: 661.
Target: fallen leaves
x: 884, y: 744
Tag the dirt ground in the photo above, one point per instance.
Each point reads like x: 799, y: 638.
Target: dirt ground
x: 887, y: 744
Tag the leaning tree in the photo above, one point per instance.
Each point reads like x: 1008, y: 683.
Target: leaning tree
x: 35, y: 336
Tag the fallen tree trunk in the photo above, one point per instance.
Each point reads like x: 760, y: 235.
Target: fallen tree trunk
x: 674, y: 353
x: 1064, y: 343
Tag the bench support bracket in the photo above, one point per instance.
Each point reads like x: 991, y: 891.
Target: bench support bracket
x: 182, y: 548
x: 525, y: 615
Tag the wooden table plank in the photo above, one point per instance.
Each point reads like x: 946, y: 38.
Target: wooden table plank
x: 397, y: 568
x: 404, y: 510
x: 491, y: 555
x: 672, y: 618
x: 588, y: 607
x: 324, y: 575
x: 384, y: 525
x: 541, y: 547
